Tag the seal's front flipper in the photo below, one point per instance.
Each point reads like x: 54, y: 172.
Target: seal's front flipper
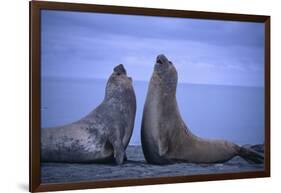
x: 125, y: 157
x: 119, y: 153
x: 118, y: 148
x: 162, y: 146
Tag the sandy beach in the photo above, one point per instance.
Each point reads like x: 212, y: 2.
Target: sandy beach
x: 136, y: 167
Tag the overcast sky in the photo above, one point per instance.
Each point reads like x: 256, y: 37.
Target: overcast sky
x: 89, y: 45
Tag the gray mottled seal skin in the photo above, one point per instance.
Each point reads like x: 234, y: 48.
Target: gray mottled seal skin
x: 101, y: 136
x: 165, y: 137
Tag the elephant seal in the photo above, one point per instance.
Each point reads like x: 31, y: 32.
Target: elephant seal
x: 165, y: 137
x: 102, y: 135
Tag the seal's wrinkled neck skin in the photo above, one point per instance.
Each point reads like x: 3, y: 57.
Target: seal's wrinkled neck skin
x: 118, y: 83
x: 166, y: 72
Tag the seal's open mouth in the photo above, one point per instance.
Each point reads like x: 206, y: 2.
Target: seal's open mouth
x: 120, y: 69
x: 159, y: 61
x: 162, y: 59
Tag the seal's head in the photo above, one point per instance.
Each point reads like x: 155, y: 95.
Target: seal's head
x: 165, y: 72
x: 118, y: 82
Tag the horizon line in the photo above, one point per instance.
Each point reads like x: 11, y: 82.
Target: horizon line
x: 138, y: 80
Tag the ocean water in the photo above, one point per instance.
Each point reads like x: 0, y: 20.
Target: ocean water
x: 235, y: 113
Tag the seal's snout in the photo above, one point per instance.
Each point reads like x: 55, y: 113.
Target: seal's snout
x: 158, y: 61
x: 120, y: 69
x: 161, y: 59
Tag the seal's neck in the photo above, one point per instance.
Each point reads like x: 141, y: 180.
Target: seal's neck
x: 161, y: 89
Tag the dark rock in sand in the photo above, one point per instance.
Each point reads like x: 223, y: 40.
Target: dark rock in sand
x: 259, y: 148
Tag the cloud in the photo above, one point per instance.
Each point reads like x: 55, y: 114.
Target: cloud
x: 204, y: 51
x: 214, y: 31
